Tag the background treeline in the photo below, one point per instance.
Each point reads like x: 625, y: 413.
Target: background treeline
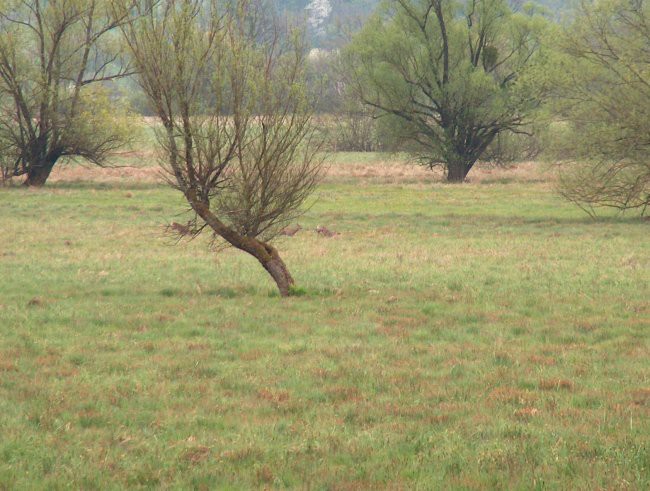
x: 450, y: 83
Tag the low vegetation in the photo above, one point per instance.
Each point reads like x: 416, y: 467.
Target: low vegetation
x: 502, y: 344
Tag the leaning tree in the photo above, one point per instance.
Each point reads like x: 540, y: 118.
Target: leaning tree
x: 236, y: 131
x: 448, y: 74
x: 55, y: 56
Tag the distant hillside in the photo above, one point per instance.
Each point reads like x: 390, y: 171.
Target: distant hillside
x: 328, y: 20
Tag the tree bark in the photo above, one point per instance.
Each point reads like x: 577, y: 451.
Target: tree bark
x: 265, y: 253
x: 456, y: 171
x: 278, y: 270
x: 38, y: 173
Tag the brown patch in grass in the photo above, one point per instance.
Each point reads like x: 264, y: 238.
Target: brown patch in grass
x: 273, y: 396
x: 149, y: 346
x: 264, y: 474
x: 323, y: 374
x: 343, y: 393
x: 36, y: 302
x: 388, y: 170
x: 251, y: 355
x: 556, y: 384
x: 393, y: 170
x: 88, y: 413
x: 641, y: 397
x: 393, y: 331
x: 7, y: 366
x: 426, y: 412
x: 66, y: 372
x: 509, y: 395
x: 546, y: 361
x: 241, y: 454
x: 48, y: 360
x: 398, y: 323
x: 196, y: 455
x: 357, y: 485
x: 76, y: 173
x: 526, y: 412
x: 585, y: 326
x: 198, y: 346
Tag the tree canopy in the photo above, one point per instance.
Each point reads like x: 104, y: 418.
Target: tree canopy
x: 450, y: 75
x: 54, y: 55
x: 602, y: 89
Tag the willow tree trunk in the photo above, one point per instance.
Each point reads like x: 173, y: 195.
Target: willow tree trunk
x: 265, y: 253
x: 456, y: 172
x: 39, y: 171
x: 275, y: 266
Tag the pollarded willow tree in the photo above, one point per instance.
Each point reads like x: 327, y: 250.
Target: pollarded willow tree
x: 236, y: 136
x: 54, y: 57
x: 449, y: 74
x: 602, y: 91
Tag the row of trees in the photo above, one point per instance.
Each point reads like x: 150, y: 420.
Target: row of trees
x: 228, y: 84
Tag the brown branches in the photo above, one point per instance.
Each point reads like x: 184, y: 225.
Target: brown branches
x: 51, y: 56
x: 237, y: 137
x: 446, y: 77
x: 604, y: 100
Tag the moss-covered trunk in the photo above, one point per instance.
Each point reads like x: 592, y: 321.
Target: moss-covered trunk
x: 265, y: 253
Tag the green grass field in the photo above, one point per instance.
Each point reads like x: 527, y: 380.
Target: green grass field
x: 485, y: 335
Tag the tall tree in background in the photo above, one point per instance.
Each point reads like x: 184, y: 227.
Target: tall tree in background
x: 236, y: 136
x: 602, y: 92
x: 53, y: 56
x: 449, y: 74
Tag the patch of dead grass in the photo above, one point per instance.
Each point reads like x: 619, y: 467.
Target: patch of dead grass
x: 380, y: 170
x: 197, y: 454
x: 556, y: 384
x: 526, y: 413
x: 641, y: 397
x: 510, y: 395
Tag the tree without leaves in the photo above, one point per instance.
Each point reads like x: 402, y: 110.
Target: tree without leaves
x: 236, y: 136
x: 448, y: 75
x: 602, y: 88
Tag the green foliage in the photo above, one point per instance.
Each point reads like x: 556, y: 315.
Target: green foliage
x: 53, y: 55
x: 602, y: 88
x: 452, y: 77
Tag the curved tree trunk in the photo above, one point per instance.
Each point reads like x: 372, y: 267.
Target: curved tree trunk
x: 278, y: 270
x: 265, y: 253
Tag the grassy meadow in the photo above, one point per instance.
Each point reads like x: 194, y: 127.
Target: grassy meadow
x: 484, y: 335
